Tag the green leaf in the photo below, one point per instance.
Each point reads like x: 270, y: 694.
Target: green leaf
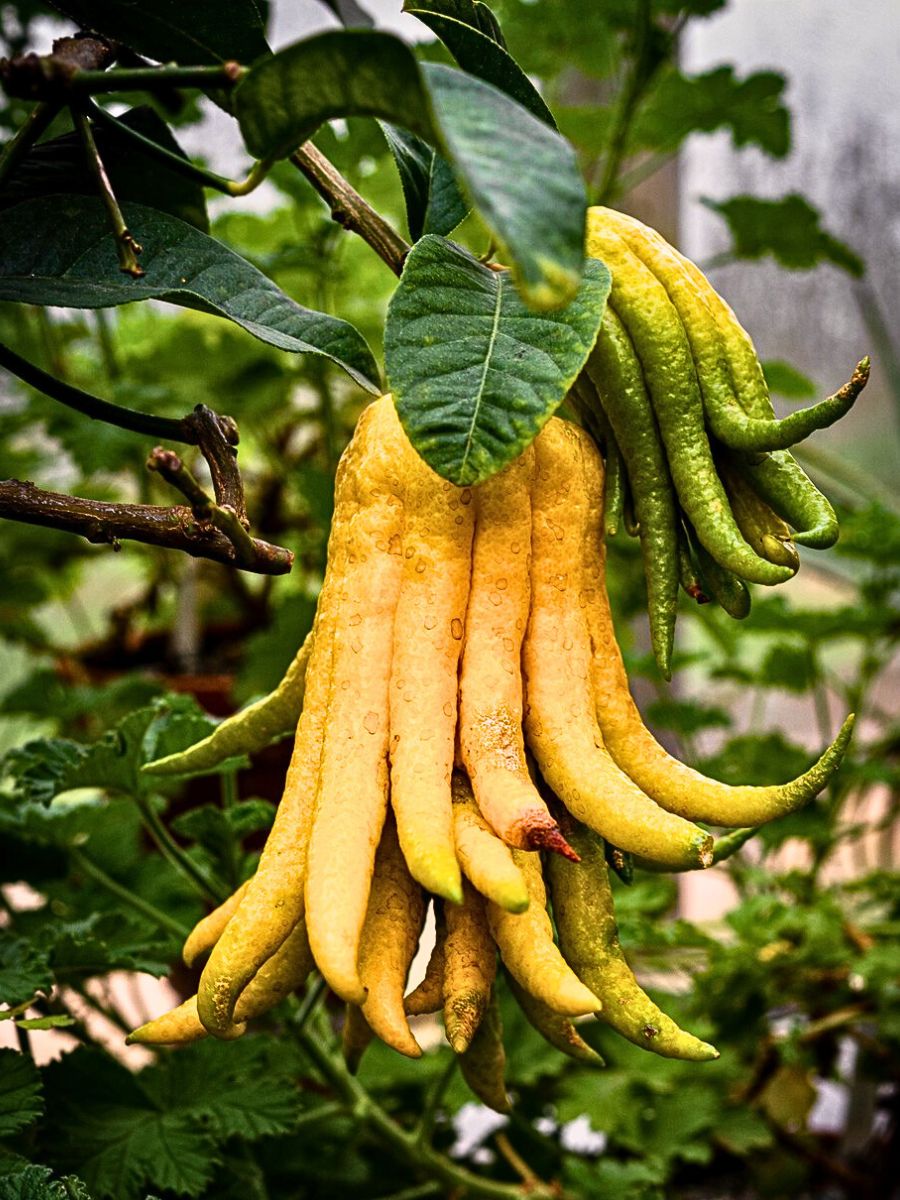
x: 21, y: 1100
x: 60, y: 165
x: 785, y: 380
x: 202, y: 32
x: 790, y: 667
x: 789, y: 229
x: 179, y: 723
x: 460, y: 26
x: 752, y: 109
x: 472, y: 13
x: 475, y: 374
x: 164, y: 1127
x: 433, y: 200
x: 57, y: 1022
x: 24, y: 970
x: 33, y: 1182
x: 741, y: 1131
x: 107, y: 1128
x: 59, y: 251
x: 349, y: 13
x: 246, y: 1090
x: 761, y: 759
x: 519, y: 174
x: 686, y: 717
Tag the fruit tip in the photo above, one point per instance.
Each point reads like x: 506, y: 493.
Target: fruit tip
x: 550, y: 838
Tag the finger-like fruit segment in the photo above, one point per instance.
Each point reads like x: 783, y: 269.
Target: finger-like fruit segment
x: 470, y: 964
x: 352, y: 793
x: 490, y: 719
x: 207, y: 931
x: 390, y: 935
x: 483, y: 1064
x: 583, y: 909
x: 428, y: 632
x: 560, y: 722
x: 486, y: 861
x: 525, y: 942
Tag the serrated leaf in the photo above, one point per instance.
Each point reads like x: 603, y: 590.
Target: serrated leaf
x: 244, y: 1089
x: 59, y: 251
x: 785, y: 380
x: 21, y: 1093
x: 60, y: 165
x: 433, y: 201
x: 108, y: 942
x: 459, y: 26
x: 518, y: 173
x: 34, y: 1182
x: 789, y: 229
x: 179, y: 723
x: 106, y: 1127
x: 474, y: 373
x: 202, y: 32
x: 24, y: 970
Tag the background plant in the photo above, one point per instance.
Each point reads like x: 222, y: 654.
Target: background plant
x: 100, y: 652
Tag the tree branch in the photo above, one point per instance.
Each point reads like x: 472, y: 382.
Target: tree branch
x: 174, y: 528
x: 167, y: 428
x: 348, y: 207
x: 49, y: 76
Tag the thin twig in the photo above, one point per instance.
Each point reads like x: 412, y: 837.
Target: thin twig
x: 516, y: 1161
x: 103, y: 522
x: 419, y: 1157
x: 180, y: 165
x: 57, y: 77
x: 433, y: 1099
x: 639, y: 76
x: 348, y: 207
x: 127, y: 246
x: 37, y: 121
x: 167, y: 428
x: 150, y: 911
x: 170, y: 850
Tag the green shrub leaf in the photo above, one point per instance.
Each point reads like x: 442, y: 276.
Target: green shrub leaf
x: 475, y: 374
x: 21, y: 1100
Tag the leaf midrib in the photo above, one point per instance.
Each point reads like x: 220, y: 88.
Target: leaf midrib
x: 487, y: 363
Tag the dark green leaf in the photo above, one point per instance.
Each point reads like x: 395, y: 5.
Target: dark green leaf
x: 518, y: 173
x: 21, y: 1100
x: 24, y: 970
x: 472, y: 13
x: 246, y: 1089
x: 433, y: 201
x: 115, y: 1136
x: 59, y: 251
x: 789, y: 666
x: 761, y: 759
x: 60, y: 165
x: 349, y: 13
x: 785, y: 380
x: 751, y: 108
x: 459, y: 26
x: 789, y: 229
x: 475, y: 374
x: 686, y: 717
x: 202, y: 32
x: 872, y: 533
